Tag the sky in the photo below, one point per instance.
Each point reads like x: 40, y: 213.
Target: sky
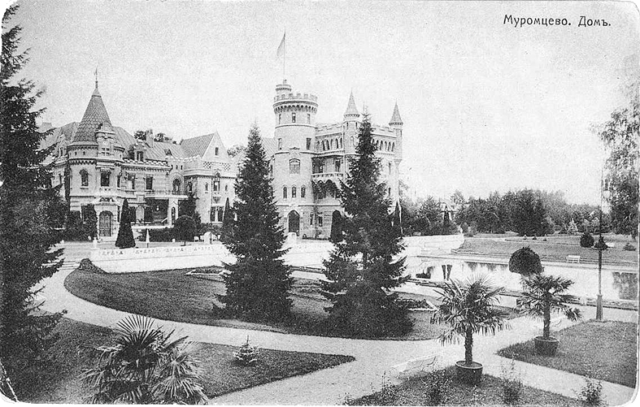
x: 486, y: 106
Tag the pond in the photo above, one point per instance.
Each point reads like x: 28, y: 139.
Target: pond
x: 616, y: 285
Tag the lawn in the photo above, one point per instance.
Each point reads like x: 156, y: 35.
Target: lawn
x: 414, y: 393
x: 60, y: 381
x: 555, y: 248
x: 173, y: 295
x: 601, y: 350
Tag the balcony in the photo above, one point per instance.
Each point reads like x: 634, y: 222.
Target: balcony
x: 327, y: 175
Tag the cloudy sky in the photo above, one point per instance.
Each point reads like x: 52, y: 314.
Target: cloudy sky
x: 486, y: 106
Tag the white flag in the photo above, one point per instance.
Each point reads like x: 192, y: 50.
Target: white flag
x: 282, y: 46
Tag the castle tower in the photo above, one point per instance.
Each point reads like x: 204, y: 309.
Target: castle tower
x: 396, y: 124
x: 350, y: 126
x: 295, y: 116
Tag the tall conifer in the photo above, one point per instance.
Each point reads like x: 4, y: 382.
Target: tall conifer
x: 27, y: 235
x: 259, y: 283
x: 360, y: 269
x: 227, y: 222
x: 125, y: 234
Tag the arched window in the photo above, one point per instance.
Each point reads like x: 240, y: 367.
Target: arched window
x: 84, y: 176
x: 309, y: 118
x: 279, y: 118
x: 294, y: 166
x: 176, y: 185
x: 189, y: 187
x: 293, y: 117
x: 294, y: 192
x: 206, y: 187
x: 393, y: 147
x: 284, y: 192
x: 303, y: 192
x: 389, y: 168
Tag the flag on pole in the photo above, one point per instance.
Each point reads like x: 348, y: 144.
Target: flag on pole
x: 281, y: 48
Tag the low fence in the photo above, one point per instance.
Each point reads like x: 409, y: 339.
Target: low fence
x: 300, y: 254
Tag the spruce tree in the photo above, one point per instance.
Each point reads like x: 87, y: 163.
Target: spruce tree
x: 360, y: 270
x: 125, y: 234
x: 259, y: 282
x: 227, y: 222
x: 27, y: 235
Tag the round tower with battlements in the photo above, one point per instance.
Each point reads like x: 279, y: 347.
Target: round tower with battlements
x: 295, y: 115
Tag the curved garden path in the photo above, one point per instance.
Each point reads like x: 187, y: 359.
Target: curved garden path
x: 363, y: 376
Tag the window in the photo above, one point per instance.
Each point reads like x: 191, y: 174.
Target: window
x: 118, y: 179
x: 303, y: 192
x: 279, y: 118
x: 308, y: 144
x: 216, y: 186
x: 212, y: 215
x: 389, y: 191
x: 293, y: 192
x: 226, y: 188
x: 284, y: 192
x: 279, y: 144
x: 309, y: 118
x: 104, y: 179
x: 206, y: 187
x: 148, y: 183
x: 293, y: 117
x: 294, y: 166
x: 176, y: 185
x: 320, y: 220
x: 338, y: 164
x: 139, y: 156
x: 60, y: 179
x: 389, y: 168
x: 217, y: 150
x: 271, y: 169
x: 84, y: 176
x: 190, y: 187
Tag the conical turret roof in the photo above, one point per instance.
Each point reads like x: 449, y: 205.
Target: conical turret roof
x: 352, y: 110
x: 395, y: 118
x: 95, y: 115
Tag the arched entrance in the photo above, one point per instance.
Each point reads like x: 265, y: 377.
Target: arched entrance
x: 104, y: 224
x: 294, y: 222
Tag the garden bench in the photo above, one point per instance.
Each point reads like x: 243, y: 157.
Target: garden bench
x: 415, y: 367
x: 573, y: 259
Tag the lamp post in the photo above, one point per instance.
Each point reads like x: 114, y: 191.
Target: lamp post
x: 600, y: 247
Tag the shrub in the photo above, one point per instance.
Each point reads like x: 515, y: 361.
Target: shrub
x: 629, y: 247
x: 591, y: 393
x: 586, y: 240
x: 465, y: 227
x: 511, y: 384
x: 87, y: 265
x: 247, y: 355
x: 388, y: 394
x: 436, y: 393
x: 525, y: 262
x: 185, y: 228
x: 600, y: 244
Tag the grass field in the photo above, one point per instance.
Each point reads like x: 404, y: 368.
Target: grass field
x: 601, y: 350
x: 414, y: 393
x: 173, y: 295
x: 60, y: 381
x: 555, y: 248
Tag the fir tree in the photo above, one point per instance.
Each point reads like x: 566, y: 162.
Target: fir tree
x: 360, y: 269
x: 27, y: 236
x: 227, y: 222
x: 125, y: 234
x: 259, y: 283
x: 91, y: 221
x: 185, y: 229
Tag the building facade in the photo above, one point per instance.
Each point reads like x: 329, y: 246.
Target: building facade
x: 308, y: 160
x: 106, y: 165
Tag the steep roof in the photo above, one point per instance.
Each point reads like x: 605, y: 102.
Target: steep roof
x: 352, y: 110
x: 196, y: 146
x: 94, y: 116
x: 395, y: 118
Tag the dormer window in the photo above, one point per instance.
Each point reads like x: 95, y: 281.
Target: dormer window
x: 139, y: 156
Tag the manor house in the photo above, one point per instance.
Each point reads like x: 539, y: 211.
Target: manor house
x: 106, y: 165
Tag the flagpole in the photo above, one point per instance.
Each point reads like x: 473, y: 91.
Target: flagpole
x: 284, y: 60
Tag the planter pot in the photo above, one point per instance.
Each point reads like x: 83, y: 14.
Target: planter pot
x: 546, y: 347
x: 469, y: 374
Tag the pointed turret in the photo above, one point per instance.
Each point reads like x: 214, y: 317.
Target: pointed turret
x: 352, y: 111
x: 396, y: 120
x: 94, y: 117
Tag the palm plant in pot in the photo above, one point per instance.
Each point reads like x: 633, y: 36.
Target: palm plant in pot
x: 468, y: 307
x: 543, y: 295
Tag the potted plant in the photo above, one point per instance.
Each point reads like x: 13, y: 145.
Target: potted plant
x: 543, y: 295
x: 468, y: 308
